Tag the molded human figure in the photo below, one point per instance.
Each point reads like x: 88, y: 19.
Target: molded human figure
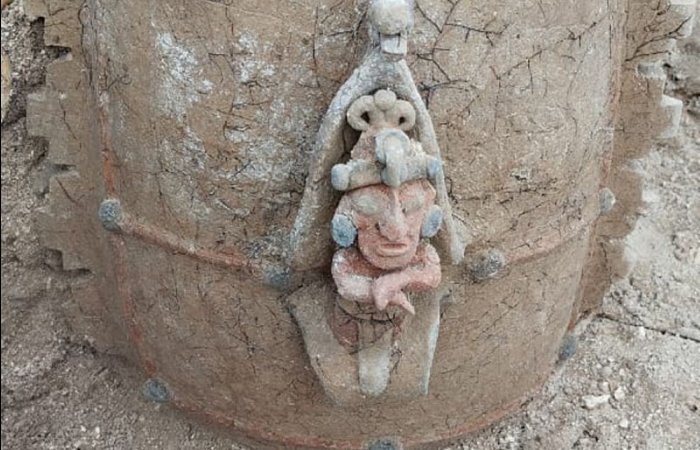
x: 388, y: 210
x: 390, y: 258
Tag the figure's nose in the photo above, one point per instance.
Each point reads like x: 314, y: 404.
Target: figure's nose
x: 393, y: 225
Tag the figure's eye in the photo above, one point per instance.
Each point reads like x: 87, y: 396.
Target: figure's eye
x: 369, y: 205
x: 413, y: 204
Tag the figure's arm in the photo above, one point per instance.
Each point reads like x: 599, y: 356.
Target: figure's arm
x: 351, y: 284
x: 421, y: 275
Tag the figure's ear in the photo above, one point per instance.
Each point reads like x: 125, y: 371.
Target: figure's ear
x: 343, y: 230
x: 432, y: 222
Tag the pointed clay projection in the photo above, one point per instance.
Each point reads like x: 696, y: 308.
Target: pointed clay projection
x: 373, y: 334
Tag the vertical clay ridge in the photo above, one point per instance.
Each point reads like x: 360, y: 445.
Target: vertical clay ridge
x: 643, y: 116
x: 61, y: 112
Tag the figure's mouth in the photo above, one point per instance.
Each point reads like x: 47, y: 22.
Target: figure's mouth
x: 392, y: 249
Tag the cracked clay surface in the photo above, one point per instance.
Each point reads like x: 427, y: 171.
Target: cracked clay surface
x: 633, y: 380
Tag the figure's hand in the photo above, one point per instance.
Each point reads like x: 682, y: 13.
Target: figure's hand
x: 387, y: 292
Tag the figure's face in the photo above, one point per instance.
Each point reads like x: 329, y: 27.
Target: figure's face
x: 389, y: 220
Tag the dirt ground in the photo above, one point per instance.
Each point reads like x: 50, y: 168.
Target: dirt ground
x: 632, y: 383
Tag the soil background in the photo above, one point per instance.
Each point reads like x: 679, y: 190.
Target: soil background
x: 629, y: 378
